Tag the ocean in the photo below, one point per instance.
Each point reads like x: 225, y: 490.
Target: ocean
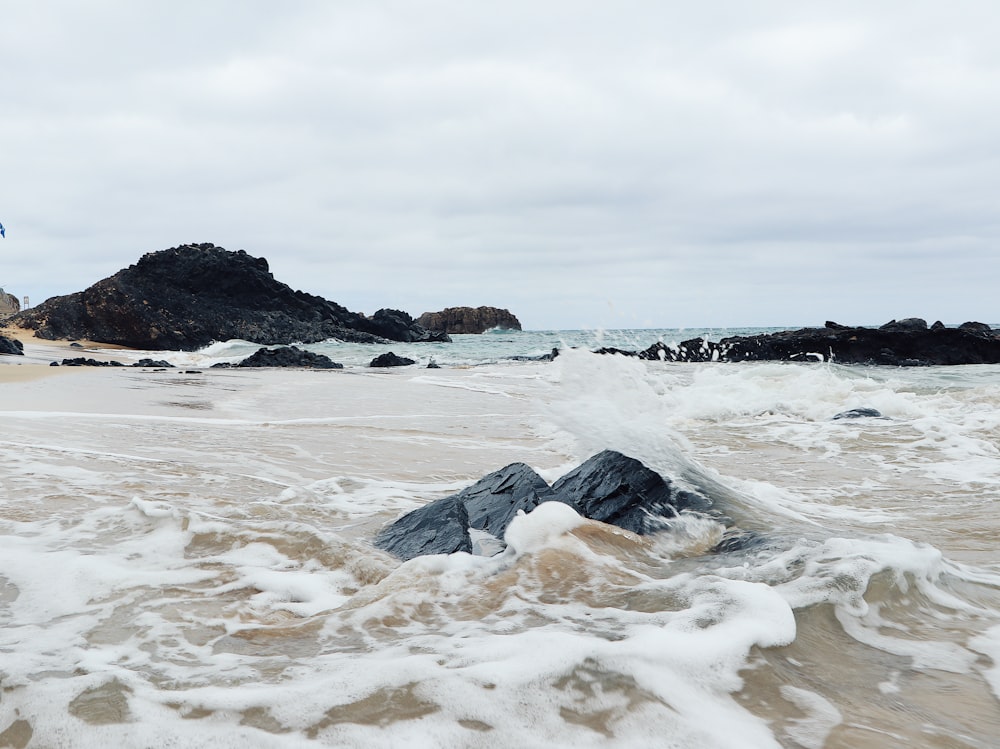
x: 186, y: 556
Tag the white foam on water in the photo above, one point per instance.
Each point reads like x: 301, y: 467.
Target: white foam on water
x: 821, y: 717
x: 211, y: 582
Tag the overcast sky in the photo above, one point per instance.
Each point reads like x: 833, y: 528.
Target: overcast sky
x: 646, y: 163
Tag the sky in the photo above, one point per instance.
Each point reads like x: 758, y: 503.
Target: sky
x: 584, y: 164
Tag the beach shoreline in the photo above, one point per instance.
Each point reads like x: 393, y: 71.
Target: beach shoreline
x: 40, y: 353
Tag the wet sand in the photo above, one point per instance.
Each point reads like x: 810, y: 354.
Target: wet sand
x: 39, y: 353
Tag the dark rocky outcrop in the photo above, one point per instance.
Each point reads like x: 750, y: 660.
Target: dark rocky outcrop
x: 609, y: 487
x: 189, y: 296
x: 908, y: 342
x: 286, y: 356
x: 469, y: 320
x: 11, y: 346
x: 390, y: 359
x: 396, y: 325
x: 82, y: 361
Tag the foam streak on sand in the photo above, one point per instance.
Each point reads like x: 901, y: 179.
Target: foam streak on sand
x: 186, y: 559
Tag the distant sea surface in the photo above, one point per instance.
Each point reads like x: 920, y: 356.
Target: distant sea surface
x: 489, y: 348
x: 186, y: 556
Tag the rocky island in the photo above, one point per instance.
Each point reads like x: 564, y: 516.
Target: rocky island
x: 458, y: 320
x: 186, y: 297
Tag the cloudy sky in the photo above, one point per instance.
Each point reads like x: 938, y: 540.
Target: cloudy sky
x: 642, y: 163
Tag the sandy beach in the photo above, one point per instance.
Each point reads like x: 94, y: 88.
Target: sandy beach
x: 39, y: 354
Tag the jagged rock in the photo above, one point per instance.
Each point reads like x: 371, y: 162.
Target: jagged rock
x: 286, y: 356
x: 859, y: 413
x: 189, y: 296
x: 159, y: 363
x: 469, y: 320
x: 441, y: 527
x: 396, y: 325
x: 609, y: 487
x: 11, y: 346
x: 494, y: 500
x: 621, y: 491
x: 390, y: 359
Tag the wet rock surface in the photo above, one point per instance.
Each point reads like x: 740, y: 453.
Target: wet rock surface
x: 610, y: 487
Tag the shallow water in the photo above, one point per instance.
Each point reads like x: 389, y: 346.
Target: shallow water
x: 185, y: 559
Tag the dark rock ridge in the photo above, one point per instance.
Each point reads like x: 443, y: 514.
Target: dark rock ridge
x: 286, y: 356
x: 469, y: 320
x: 11, y: 346
x: 189, y: 296
x: 396, y: 325
x: 908, y: 342
x: 609, y: 487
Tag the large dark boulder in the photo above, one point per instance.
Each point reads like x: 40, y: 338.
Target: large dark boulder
x: 469, y: 320
x: 609, y: 487
x: 441, y: 527
x: 11, y: 346
x: 189, y: 296
x: 288, y: 356
x: 621, y: 491
x: 390, y: 359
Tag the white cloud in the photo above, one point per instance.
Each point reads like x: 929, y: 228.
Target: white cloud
x: 580, y: 163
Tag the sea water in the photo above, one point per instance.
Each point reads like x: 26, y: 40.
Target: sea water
x: 186, y: 558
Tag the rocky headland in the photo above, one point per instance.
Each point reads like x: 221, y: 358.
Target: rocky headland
x: 461, y: 320
x: 186, y: 297
x: 910, y: 342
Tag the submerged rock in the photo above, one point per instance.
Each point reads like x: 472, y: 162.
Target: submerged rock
x: 860, y: 413
x: 189, y: 296
x: 609, y: 487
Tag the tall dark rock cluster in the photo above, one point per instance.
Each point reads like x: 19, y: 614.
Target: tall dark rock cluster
x: 186, y: 297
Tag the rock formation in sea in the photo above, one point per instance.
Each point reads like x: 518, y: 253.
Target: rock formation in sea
x: 389, y: 359
x: 286, y: 356
x: 469, y: 320
x: 908, y: 342
x: 189, y: 296
x: 610, y: 487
